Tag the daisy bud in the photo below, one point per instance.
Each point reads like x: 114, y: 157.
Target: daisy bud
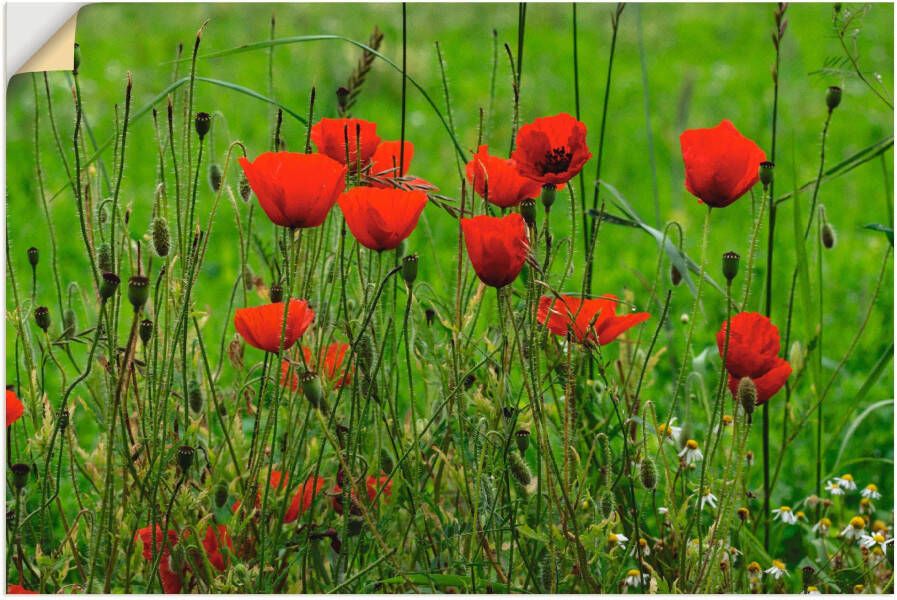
x: 648, y: 473
x: 675, y: 275
x: 311, y: 387
x: 108, y: 285
x: 833, y: 97
x: 42, y: 317
x: 276, y: 293
x: 528, y: 211
x: 409, y: 269
x: 522, y: 439
x: 138, y: 291
x: 519, y: 469
x: 202, y: 122
x: 194, y: 396
x: 161, y: 239
x: 76, y: 59
x: 104, y: 257
x: 145, y: 331
x: 730, y: 265
x: 766, y: 172
x: 185, y: 457
x: 33, y: 256
x: 20, y: 475
x: 828, y: 236
x: 747, y: 395
x: 220, y: 494
x: 215, y: 177
x: 549, y: 191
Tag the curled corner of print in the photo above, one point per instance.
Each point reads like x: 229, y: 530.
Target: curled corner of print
x: 40, y: 36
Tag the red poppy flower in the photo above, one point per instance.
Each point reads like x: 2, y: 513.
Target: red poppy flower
x: 14, y: 407
x: 15, y: 588
x: 330, y: 362
x: 145, y: 534
x: 591, y: 321
x: 381, y: 218
x: 375, y: 483
x: 216, y: 538
x: 295, y: 190
x: 496, y: 180
x: 171, y: 580
x: 302, y: 499
x: 754, y: 352
x: 497, y: 247
x: 551, y: 150
x: 261, y: 326
x: 385, y: 161
x: 721, y: 165
x: 330, y: 135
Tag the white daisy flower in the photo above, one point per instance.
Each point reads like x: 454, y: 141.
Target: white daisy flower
x: 855, y: 529
x: 691, y: 453
x: 754, y: 572
x: 834, y: 488
x: 846, y: 481
x: 822, y: 526
x: 812, y: 589
x: 785, y: 515
x: 875, y: 540
x: 866, y: 506
x: 725, y: 423
x: 669, y: 433
x: 617, y: 539
x: 641, y: 548
x: 777, y: 570
x: 635, y: 578
x: 707, y: 498
x: 871, y: 492
x: 663, y: 510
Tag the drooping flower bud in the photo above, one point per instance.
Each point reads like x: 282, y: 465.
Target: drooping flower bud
x: 68, y: 323
x: 138, y: 290
x: 767, y: 172
x: 42, y: 317
x: 215, y: 176
x: 20, y: 473
x: 146, y: 331
x: 519, y: 469
x: 104, y: 257
x: 648, y: 473
x: 108, y: 285
x: 161, y: 239
x: 245, y: 188
x: 33, y: 256
x: 202, y: 122
x: 675, y: 275
x: 185, y: 457
x: 747, y: 395
x: 829, y: 239
x: 528, y: 211
x: 833, y: 97
x: 522, y: 439
x: 194, y: 396
x: 730, y: 265
x: 409, y: 269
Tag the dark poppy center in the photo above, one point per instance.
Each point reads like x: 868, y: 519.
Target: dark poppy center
x: 556, y: 161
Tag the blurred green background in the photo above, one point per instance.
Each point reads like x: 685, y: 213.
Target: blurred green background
x: 677, y: 67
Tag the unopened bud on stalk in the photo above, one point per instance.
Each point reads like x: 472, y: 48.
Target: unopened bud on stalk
x: 409, y: 269
x: 146, y: 331
x: 215, y: 176
x: 730, y: 265
x: 675, y: 275
x: 33, y: 256
x: 342, y: 99
x: 202, y: 122
x: 104, y: 257
x: 829, y: 239
x: 747, y: 395
x: 549, y: 191
x: 275, y: 293
x: 194, y: 396
x: 76, y: 59
x: 528, y: 211
x: 648, y: 473
x: 108, y: 285
x: 62, y: 419
x: 766, y: 172
x: 20, y: 473
x: 833, y: 97
x: 220, y: 494
x: 522, y: 439
x: 519, y: 469
x: 42, y: 317
x: 185, y: 457
x: 68, y: 323
x: 245, y: 188
x: 138, y: 291
x: 311, y: 388
x: 161, y: 239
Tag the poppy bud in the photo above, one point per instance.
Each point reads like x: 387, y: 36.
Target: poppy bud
x: 185, y: 457
x: 20, y: 475
x: 42, y: 317
x: 648, y: 473
x: 76, y: 59
x: 342, y: 99
x: 109, y: 285
x: 766, y: 171
x: 528, y: 211
x: 215, y: 176
x: 138, y: 291
x: 245, y: 188
x: 202, y: 122
x: 519, y: 469
x: 145, y: 331
x: 675, y: 275
x: 730, y: 265
x: 220, y: 494
x: 522, y: 439
x: 104, y: 257
x: 62, y: 419
x: 161, y: 239
x: 549, y: 192
x: 828, y: 236
x: 311, y: 387
x: 33, y: 256
x: 68, y: 322
x: 276, y: 293
x: 194, y: 396
x: 747, y: 395
x: 833, y: 97
x: 409, y: 269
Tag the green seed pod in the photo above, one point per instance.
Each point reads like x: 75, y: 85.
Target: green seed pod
x: 828, y: 236
x: 109, y: 285
x: 104, y: 257
x: 519, y: 469
x: 221, y: 494
x: 833, y: 97
x: 138, y: 291
x: 275, y: 293
x: 766, y: 172
x: 549, y: 191
x: 409, y: 269
x: 216, y: 176
x: 146, y: 331
x: 202, y: 122
x: 522, y: 439
x: 33, y: 256
x: 62, y: 419
x: 161, y: 238
x: 730, y: 265
x: 311, y: 388
x: 20, y: 475
x: 194, y: 396
x: 747, y: 395
x: 42, y: 317
x: 68, y: 323
x: 245, y: 188
x: 185, y: 457
x: 648, y: 473
x: 675, y: 275
x: 528, y: 211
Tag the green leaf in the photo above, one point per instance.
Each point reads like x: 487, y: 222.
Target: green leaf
x: 888, y: 231
x: 855, y: 424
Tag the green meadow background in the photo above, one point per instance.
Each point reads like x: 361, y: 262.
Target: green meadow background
x: 677, y: 67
